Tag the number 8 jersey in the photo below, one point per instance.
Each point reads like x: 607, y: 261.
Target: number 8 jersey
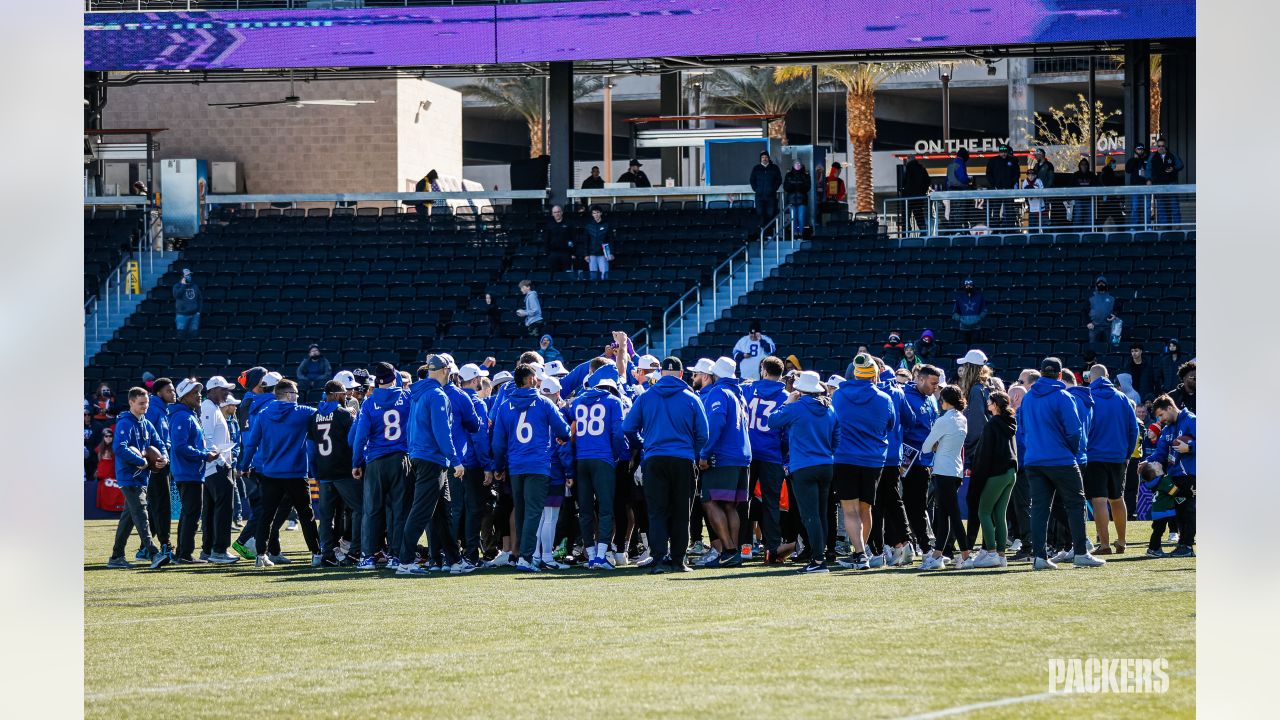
x: 382, y: 428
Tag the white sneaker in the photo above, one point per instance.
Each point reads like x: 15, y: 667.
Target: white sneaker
x: 317, y: 559
x: 293, y: 525
x: 644, y: 557
x: 503, y: 558
x: 987, y: 560
x: 410, y: 568
x: 934, y: 563
x: 1173, y: 538
x: 223, y: 558
x: 1015, y: 546
x: 908, y: 555
x: 875, y: 561
x: 1043, y: 564
x: 462, y: 567
x: 263, y: 561
x: 1088, y: 560
x: 967, y: 563
x: 620, y: 559
x: 897, y: 556
x: 1088, y: 545
x: 709, y: 558
x: 1064, y: 556
x: 526, y: 566
x: 551, y: 564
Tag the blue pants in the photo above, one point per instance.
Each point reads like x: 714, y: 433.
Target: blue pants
x: 1168, y: 210
x: 187, y: 325
x: 797, y: 218
x: 1139, y: 210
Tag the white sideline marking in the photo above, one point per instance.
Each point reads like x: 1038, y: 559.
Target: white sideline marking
x: 961, y: 709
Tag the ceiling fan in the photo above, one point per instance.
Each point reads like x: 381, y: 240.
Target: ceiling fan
x: 292, y: 100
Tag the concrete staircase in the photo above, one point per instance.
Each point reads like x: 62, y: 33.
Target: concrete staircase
x: 112, y: 309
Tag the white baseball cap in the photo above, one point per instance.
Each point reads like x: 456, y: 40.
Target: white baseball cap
x: 649, y: 363
x: 502, y: 377
x: 550, y: 386
x: 186, y: 386
x: 555, y: 368
x: 271, y: 379
x: 347, y: 378
x: 229, y: 400
x: 704, y: 365
x: 724, y: 368
x: 808, y: 381
x: 834, y: 381
x: 471, y: 371
x: 217, y: 381
x: 606, y: 382
x: 973, y: 357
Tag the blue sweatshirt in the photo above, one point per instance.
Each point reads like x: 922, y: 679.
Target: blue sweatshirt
x: 380, y: 428
x: 670, y: 420
x: 523, y: 431
x: 728, y: 444
x: 1113, y: 433
x: 925, y: 410
x: 1175, y: 463
x: 597, y: 426
x: 1049, y: 427
x: 763, y: 398
x: 430, y: 424
x: 186, y: 444
x: 463, y: 416
x: 562, y: 465
x: 158, y: 414
x: 476, y: 454
x: 1084, y: 409
x: 865, y: 414
x: 904, y: 416
x: 132, y: 436
x: 276, y: 443
x: 811, y: 429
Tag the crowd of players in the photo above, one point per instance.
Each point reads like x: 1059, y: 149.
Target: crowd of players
x: 621, y: 461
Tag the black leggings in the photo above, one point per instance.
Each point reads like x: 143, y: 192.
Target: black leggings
x: 915, y: 489
x: 276, y: 493
x: 950, y: 526
x: 889, y: 525
x: 812, y: 487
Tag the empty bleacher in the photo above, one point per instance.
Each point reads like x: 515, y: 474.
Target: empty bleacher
x: 108, y: 235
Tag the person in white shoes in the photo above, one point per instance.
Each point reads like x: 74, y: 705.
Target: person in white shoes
x: 995, y: 465
x: 946, y: 442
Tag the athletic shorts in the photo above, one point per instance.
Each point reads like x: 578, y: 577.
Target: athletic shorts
x: 1104, y: 480
x: 725, y: 484
x: 854, y: 482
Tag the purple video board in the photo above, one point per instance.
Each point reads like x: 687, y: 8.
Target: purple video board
x: 607, y: 29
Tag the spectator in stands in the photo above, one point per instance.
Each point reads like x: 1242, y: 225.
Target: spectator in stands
x: 187, y: 305
x: 313, y: 372
x: 532, y: 311
x: 1141, y: 372
x: 969, y: 309
x: 558, y: 241
x: 893, y: 351
x: 914, y: 187
x: 796, y: 185
x: 1137, y: 170
x: 1002, y: 174
x: 488, y: 306
x: 548, y: 351
x: 1166, y: 376
x: 750, y: 350
x: 1102, y: 306
x: 927, y: 346
x: 910, y: 360
x: 599, y: 245
x: 1035, y: 205
x: 1082, y: 212
x: 1124, y: 382
x: 958, y: 171
x: 103, y: 404
x: 1165, y: 167
x: 765, y: 181
x: 635, y: 175
x: 1109, y: 208
x: 1185, y: 394
x: 1044, y: 171
x: 833, y: 191
x: 593, y: 181
x: 427, y: 183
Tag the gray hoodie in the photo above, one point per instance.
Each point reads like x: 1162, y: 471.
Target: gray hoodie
x: 532, y: 308
x: 1101, y: 305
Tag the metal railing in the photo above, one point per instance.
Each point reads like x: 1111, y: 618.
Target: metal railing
x: 346, y: 199
x: 116, y: 6
x: 1079, y: 209
x: 114, y: 290
x: 659, y: 192
x: 683, y: 309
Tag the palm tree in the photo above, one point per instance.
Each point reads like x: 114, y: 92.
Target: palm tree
x: 524, y: 96
x: 860, y: 80
x: 757, y: 91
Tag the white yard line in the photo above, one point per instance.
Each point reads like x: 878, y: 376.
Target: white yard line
x: 962, y: 709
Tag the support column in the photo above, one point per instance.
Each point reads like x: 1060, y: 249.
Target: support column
x: 1178, y: 108
x: 1021, y: 103
x: 560, y: 112
x: 1137, y: 83
x: 668, y: 104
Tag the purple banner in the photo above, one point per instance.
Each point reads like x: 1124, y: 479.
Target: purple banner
x: 609, y: 29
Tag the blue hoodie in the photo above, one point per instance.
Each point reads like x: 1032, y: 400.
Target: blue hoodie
x: 904, y: 416
x: 597, y: 426
x: 463, y: 416
x: 865, y: 414
x: 476, y: 454
x: 380, y: 428
x: 763, y: 398
x: 1175, y: 463
x: 1084, y: 409
x: 276, y: 443
x: 1049, y: 427
x: 523, y: 431
x: 728, y: 444
x: 670, y: 419
x: 132, y: 437
x: 925, y: 411
x: 1113, y: 433
x: 430, y: 429
x: 562, y: 465
x: 158, y: 414
x: 582, y: 376
x: 811, y: 430
x: 186, y: 444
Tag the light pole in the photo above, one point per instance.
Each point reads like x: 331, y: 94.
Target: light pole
x: 608, y: 127
x: 944, y: 74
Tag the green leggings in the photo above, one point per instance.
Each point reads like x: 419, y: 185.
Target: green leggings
x: 992, y: 506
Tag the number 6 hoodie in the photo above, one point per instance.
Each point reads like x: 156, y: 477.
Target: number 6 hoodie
x: 522, y: 431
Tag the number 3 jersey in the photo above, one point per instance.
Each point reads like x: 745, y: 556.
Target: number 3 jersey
x: 382, y: 427
x: 330, y: 446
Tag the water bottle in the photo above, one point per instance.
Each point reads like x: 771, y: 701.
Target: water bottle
x: 1116, y: 326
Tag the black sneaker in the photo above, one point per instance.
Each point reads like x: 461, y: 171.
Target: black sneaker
x: 680, y: 567
x: 1023, y: 555
x: 813, y: 568
x: 733, y: 560
x: 658, y: 568
x: 1182, y: 551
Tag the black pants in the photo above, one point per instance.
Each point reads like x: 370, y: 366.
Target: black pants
x: 915, y: 492
x: 627, y: 498
x: 971, y: 499
x: 192, y: 496
x: 134, y: 517
x: 1186, y: 510
x: 668, y: 491
x: 335, y: 492
x: 384, y: 489
x: 950, y: 526
x: 595, y: 490
x: 889, y: 525
x: 769, y: 475
x: 529, y: 495
x: 279, y: 491
x: 1019, y: 513
x: 215, y: 520
x: 160, y: 504
x: 430, y: 489
x: 812, y: 488
x: 477, y: 504
x: 766, y: 208
x: 1045, y: 483
x: 253, y: 483
x: 1131, y: 488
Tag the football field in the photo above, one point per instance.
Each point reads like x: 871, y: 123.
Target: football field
x: 208, y: 641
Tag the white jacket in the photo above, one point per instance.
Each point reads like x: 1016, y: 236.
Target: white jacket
x: 217, y: 436
x: 946, y: 442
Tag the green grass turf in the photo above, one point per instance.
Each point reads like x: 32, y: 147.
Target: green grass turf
x: 206, y: 641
